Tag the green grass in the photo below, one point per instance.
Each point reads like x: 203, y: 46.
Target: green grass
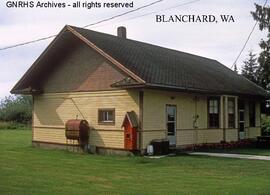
x: 251, y: 151
x: 27, y: 170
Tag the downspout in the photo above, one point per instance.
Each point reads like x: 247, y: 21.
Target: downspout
x: 225, y: 103
x: 141, y: 97
x: 195, y: 117
x: 33, y: 112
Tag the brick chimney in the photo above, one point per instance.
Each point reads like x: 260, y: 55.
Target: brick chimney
x: 122, y: 32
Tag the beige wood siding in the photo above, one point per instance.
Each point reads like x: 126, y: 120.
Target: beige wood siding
x: 231, y: 135
x: 148, y: 136
x: 253, y: 132
x: 186, y: 137
x: 111, y: 139
x: 51, y: 111
x: 81, y: 69
x: 155, y: 105
x: 49, y: 134
x: 209, y: 136
x: 154, y: 118
x: 199, y: 136
x: 246, y: 113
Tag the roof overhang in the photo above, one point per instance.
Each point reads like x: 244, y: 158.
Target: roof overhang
x: 204, y: 91
x: 67, y: 39
x: 63, y: 41
x: 190, y: 90
x: 43, y: 63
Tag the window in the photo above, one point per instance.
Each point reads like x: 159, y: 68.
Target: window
x: 171, y: 119
x: 241, y: 104
x: 231, y: 113
x: 213, y: 112
x: 106, y: 116
x: 241, y: 116
x: 252, y: 114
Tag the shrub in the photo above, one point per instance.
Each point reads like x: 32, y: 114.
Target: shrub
x: 223, y: 145
x: 265, y: 125
x: 13, y: 125
x: 16, y: 108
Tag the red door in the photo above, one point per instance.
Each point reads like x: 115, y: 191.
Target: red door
x: 130, y: 138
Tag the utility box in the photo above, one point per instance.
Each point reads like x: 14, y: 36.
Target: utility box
x: 161, y: 146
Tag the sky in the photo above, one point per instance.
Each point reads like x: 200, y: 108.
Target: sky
x: 220, y: 41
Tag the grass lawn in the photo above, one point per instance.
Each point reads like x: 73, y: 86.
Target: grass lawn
x: 252, y: 151
x: 27, y: 170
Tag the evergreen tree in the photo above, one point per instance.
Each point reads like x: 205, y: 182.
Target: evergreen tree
x: 235, y: 69
x: 262, y: 16
x: 250, y: 68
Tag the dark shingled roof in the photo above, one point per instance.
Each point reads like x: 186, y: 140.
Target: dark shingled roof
x: 163, y: 67
x: 159, y: 67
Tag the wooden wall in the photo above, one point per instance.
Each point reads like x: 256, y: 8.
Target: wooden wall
x: 52, y: 110
x: 154, y: 119
x: 81, y: 69
x: 253, y: 132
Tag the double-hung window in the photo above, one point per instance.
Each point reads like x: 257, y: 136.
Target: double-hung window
x: 213, y: 112
x: 106, y: 116
x: 231, y: 113
x: 252, y: 114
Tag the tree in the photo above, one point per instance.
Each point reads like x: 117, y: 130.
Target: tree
x: 235, y: 69
x: 250, y: 68
x: 16, y: 109
x: 262, y: 16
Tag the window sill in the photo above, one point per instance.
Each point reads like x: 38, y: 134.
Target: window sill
x: 106, y: 123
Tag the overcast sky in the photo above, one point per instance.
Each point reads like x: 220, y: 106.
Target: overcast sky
x: 220, y: 41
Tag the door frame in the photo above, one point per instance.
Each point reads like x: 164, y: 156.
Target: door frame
x: 175, y: 125
x: 241, y: 110
x: 239, y: 126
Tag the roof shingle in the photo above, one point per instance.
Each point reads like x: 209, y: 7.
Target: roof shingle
x: 170, y: 68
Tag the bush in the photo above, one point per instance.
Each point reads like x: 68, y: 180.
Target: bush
x: 16, y: 109
x: 265, y: 125
x: 13, y: 125
x: 223, y: 145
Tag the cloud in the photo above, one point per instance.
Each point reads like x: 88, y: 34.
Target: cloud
x: 219, y: 41
x: 5, y: 88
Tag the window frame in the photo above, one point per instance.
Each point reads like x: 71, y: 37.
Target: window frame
x: 100, y: 115
x: 232, y: 115
x: 170, y: 121
x: 209, y: 117
x: 252, y: 104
